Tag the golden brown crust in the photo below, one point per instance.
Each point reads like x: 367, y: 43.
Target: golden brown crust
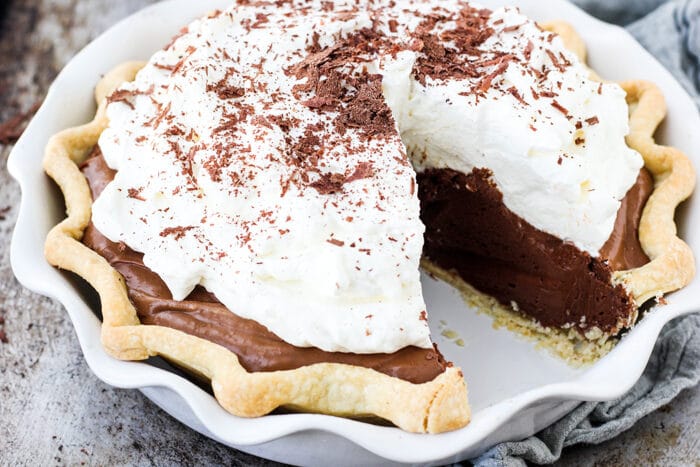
x: 672, y: 265
x: 433, y: 407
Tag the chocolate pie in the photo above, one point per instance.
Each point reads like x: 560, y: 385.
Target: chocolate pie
x: 255, y: 201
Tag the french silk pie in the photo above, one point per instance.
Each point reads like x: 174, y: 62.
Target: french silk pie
x: 254, y: 202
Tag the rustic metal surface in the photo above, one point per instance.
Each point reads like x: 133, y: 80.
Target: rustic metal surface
x: 54, y: 411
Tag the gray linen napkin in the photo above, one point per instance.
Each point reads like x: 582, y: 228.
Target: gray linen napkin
x: 669, y: 30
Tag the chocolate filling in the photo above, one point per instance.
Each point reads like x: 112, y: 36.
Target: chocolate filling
x: 470, y: 231
x: 203, y: 316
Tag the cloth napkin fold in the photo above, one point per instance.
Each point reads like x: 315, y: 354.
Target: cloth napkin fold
x: 669, y: 30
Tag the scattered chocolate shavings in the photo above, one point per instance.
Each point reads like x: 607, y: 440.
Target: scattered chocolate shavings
x: 439, y: 62
x: 174, y: 131
x: 308, y: 146
x: 320, y: 102
x: 555, y: 61
x: 335, y: 242
x: 226, y: 91
x: 329, y: 183
x: 189, y: 51
x: 560, y: 107
x: 368, y: 110
x: 121, y: 95
x: 260, y: 19
x: 178, y: 232
x: 512, y: 28
x: 432, y: 47
x: 579, y: 141
x: 393, y: 25
x: 363, y: 170
x: 164, y: 67
x: 592, y: 121
x: 515, y: 93
x: 125, y: 95
x: 12, y: 129
x: 135, y: 193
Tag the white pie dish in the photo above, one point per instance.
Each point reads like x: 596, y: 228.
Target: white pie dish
x: 514, y: 389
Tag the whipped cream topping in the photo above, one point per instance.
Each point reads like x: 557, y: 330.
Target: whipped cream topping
x: 553, y: 139
x: 260, y: 155
x: 228, y: 180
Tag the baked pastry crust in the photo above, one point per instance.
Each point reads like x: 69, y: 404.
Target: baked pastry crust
x: 432, y: 407
x: 671, y: 265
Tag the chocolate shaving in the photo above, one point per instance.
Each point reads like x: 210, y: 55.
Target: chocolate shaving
x: 333, y: 182
x: 329, y: 183
x: 555, y: 61
x: 514, y: 92
x: 368, y: 110
x: 560, y: 107
x: 439, y: 62
x: 321, y: 102
x: 225, y: 90
x: 363, y: 170
x: 512, y: 28
x: 121, y: 95
x: 135, y: 193
x: 178, y: 232
x: 393, y: 25
x: 125, y: 95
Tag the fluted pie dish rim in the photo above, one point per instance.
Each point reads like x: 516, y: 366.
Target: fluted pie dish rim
x: 77, y: 308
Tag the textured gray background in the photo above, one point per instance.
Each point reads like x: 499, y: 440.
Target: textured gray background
x: 54, y: 411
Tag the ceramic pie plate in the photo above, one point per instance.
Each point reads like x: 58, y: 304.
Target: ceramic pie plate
x: 514, y: 389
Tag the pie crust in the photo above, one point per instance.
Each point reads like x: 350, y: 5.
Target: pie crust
x: 671, y: 266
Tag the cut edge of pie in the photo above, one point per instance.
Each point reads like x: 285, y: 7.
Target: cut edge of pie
x: 435, y: 406
x: 671, y: 266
